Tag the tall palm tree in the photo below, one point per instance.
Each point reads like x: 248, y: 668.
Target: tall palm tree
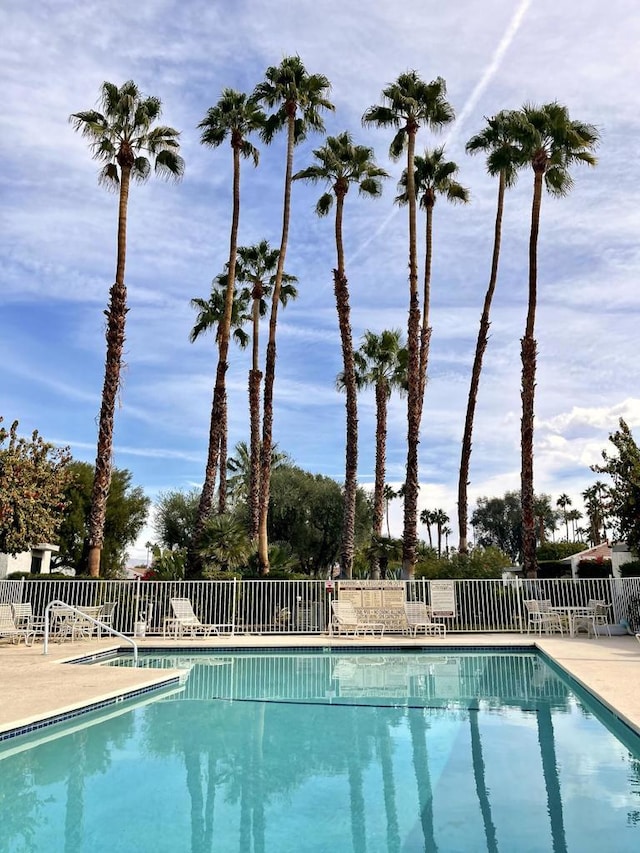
x: 256, y: 268
x: 563, y: 502
x: 211, y: 313
x: 407, y: 104
x: 234, y: 117
x: 551, y: 143
x: 381, y: 362
x: 433, y: 176
x: 121, y: 137
x: 298, y: 98
x: 339, y: 165
x: 496, y: 140
x: 440, y: 519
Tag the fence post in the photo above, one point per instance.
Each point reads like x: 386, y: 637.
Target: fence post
x: 233, y: 608
x: 137, y: 595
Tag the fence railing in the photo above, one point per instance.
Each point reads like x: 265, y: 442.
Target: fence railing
x: 303, y: 606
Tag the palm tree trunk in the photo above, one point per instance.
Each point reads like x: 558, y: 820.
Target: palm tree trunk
x: 381, y: 458
x: 481, y: 783
x: 222, y: 482
x: 528, y: 352
x: 425, y: 332
x: 255, y: 380
x: 481, y: 345
x: 218, y: 406
x: 410, y: 528
x: 116, y: 319
x: 351, y: 451
x: 270, y: 366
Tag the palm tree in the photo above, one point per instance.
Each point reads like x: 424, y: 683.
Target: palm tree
x: 563, y: 502
x: 381, y: 362
x: 121, y: 137
x: 433, y: 176
x: 440, y: 519
x: 298, y: 98
x: 240, y: 467
x: 235, y: 116
x: 426, y: 518
x: 340, y: 164
x: 551, y: 143
x: 256, y: 267
x: 211, y: 314
x: 408, y: 104
x: 388, y: 493
x: 573, y: 515
x: 497, y: 142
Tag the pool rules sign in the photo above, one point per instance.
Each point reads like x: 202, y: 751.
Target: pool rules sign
x: 443, y: 598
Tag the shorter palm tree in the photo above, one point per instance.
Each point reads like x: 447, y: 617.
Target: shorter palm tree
x: 211, y: 314
x: 563, y: 502
x: 381, y: 362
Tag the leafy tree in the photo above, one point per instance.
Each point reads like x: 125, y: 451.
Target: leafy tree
x: 496, y: 140
x: 126, y: 513
x: 306, y: 512
x: 120, y: 136
x: 623, y: 467
x: 174, y: 517
x: 234, y: 117
x: 550, y: 143
x: 558, y: 550
x: 298, y: 98
x: 168, y: 564
x: 407, y: 104
x: 340, y: 164
x: 34, y: 475
x: 498, y: 522
x: 481, y: 563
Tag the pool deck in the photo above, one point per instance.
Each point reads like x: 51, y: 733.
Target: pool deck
x: 34, y: 687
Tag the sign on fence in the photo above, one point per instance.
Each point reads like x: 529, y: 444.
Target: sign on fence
x: 443, y: 598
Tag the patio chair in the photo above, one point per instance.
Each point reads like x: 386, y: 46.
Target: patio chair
x: 83, y: 625
x: 9, y: 628
x: 541, y: 617
x: 184, y: 620
x: 418, y: 616
x: 346, y: 620
x: 25, y: 618
x: 106, y: 616
x: 598, y: 616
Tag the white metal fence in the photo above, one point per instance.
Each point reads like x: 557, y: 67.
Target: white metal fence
x: 303, y: 606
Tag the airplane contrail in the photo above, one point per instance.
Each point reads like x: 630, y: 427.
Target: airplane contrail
x: 488, y: 74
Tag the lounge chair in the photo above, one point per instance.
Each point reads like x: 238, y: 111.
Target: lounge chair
x: 9, y: 628
x: 346, y: 620
x: 418, y: 616
x: 184, y: 620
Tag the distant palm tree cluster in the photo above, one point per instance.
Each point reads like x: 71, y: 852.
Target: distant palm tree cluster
x: 254, y: 281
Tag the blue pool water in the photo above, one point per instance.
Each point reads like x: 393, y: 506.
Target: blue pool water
x: 405, y: 751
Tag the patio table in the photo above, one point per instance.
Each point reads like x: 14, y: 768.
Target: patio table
x: 571, y: 613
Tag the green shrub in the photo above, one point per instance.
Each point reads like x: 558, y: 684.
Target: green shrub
x: 594, y: 569
x: 558, y: 550
x: 630, y: 569
x: 554, y: 569
x: 54, y: 576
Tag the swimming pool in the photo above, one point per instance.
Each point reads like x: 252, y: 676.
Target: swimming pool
x: 342, y: 751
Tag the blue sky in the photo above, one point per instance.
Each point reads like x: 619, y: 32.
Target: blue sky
x: 57, y: 241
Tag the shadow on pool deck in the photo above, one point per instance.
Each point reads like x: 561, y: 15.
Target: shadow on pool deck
x: 34, y: 687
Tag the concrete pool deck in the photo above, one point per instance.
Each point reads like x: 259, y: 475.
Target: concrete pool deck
x: 35, y: 687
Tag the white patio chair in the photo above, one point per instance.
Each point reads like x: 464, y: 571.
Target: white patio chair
x: 345, y: 620
x: 25, y: 618
x: 9, y: 628
x: 184, y: 620
x: 419, y: 619
x: 540, y: 617
x: 598, y: 616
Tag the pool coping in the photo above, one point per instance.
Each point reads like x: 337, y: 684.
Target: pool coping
x: 607, y: 668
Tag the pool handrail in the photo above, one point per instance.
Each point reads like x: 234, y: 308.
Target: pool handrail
x: 80, y: 612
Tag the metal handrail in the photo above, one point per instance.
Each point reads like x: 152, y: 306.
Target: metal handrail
x: 80, y: 612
